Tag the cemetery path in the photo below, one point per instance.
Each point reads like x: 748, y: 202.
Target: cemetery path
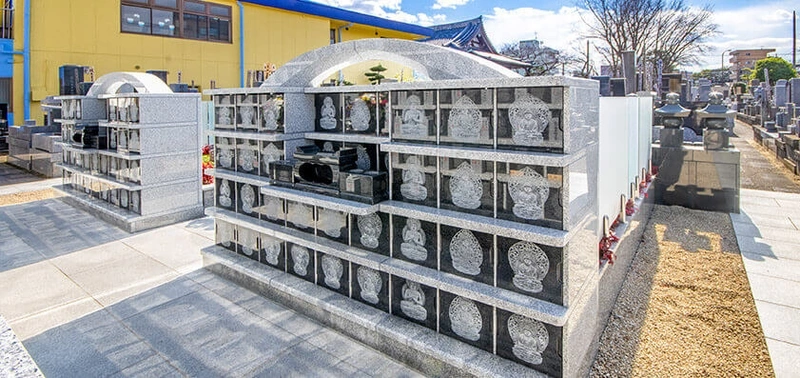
x: 761, y: 170
x: 87, y: 299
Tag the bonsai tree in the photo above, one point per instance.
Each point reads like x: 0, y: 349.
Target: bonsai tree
x: 375, y: 76
x: 778, y: 68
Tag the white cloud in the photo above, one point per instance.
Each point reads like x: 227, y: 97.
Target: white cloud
x: 389, y: 9
x: 452, y: 4
x: 557, y: 29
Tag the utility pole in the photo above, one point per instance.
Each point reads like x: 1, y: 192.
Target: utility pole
x: 794, y: 39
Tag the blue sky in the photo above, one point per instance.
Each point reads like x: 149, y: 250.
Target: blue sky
x: 743, y: 24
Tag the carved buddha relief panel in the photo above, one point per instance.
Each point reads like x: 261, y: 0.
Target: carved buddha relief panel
x: 529, y: 342
x: 530, y: 269
x: 467, y: 185
x: 467, y: 253
x: 414, y: 116
x: 466, y: 320
x: 272, y: 209
x: 248, y: 200
x: 329, y: 117
x: 226, y: 194
x: 360, y: 113
x: 247, y: 114
x: 414, y: 178
x: 333, y: 273
x: 466, y: 116
x: 370, y: 286
x: 300, y: 261
x: 300, y: 216
x: 272, y: 252
x: 270, y: 109
x: 225, y: 154
x: 415, y: 241
x: 530, y: 118
x: 530, y: 194
x: 247, y: 156
x: 414, y: 301
x: 332, y: 224
x: 247, y: 241
x: 269, y: 152
x: 224, y: 112
x: 225, y: 234
x: 370, y: 232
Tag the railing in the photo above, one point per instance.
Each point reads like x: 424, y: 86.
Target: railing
x: 7, y: 23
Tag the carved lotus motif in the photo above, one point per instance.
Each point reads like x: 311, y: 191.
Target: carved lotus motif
x: 370, y: 227
x: 413, y: 302
x: 332, y: 268
x: 370, y: 283
x: 530, y: 266
x: 465, y: 319
x: 465, y: 121
x: 529, y: 117
x: 300, y: 259
x: 465, y: 187
x: 248, y: 198
x: 530, y: 338
x: 359, y: 115
x: 225, y: 194
x: 466, y: 253
x: 530, y: 191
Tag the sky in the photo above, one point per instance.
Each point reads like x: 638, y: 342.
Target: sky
x: 560, y: 25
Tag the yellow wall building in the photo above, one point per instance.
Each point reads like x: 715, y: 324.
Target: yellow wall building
x: 201, y: 39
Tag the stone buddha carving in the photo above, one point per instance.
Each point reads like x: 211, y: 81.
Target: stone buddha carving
x: 465, y: 319
x: 465, y: 120
x: 248, y: 241
x: 529, y: 117
x: 273, y: 208
x: 272, y: 249
x: 225, y: 194
x: 133, y: 110
x: 331, y: 222
x: 413, y: 245
x: 224, y: 233
x: 466, y: 253
x: 225, y: 157
x: 133, y: 143
x: 414, y: 120
x: 224, y: 115
x: 300, y: 259
x: 465, y: 187
x: 529, y: 191
x: 270, y: 112
x: 530, y: 266
x: 370, y: 226
x: 248, y: 198
x: 370, y: 283
x: 327, y: 116
x: 360, y: 115
x: 413, y: 186
x: 530, y: 338
x: 332, y: 268
x: 269, y: 154
x: 413, y: 302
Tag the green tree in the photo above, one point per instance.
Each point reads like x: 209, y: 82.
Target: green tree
x: 716, y: 75
x: 375, y: 75
x: 778, y: 69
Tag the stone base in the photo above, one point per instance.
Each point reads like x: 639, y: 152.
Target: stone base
x: 124, y: 219
x: 418, y: 347
x: 697, y: 179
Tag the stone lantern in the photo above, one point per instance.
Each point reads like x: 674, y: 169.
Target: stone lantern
x: 714, y: 119
x: 672, y: 115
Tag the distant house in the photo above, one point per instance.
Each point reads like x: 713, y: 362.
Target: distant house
x: 470, y: 36
x: 741, y: 59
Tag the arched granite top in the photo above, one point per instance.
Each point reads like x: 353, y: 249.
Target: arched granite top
x: 433, y: 62
x: 128, y: 82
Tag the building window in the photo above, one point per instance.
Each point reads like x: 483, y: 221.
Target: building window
x: 177, y: 18
x: 333, y: 36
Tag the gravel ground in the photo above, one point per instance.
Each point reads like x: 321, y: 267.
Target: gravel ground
x: 14, y: 359
x: 761, y: 169
x: 16, y: 198
x: 685, y: 309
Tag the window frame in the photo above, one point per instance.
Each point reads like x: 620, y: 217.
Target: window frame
x: 211, y: 11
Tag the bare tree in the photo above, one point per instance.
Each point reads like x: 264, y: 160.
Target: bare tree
x: 668, y: 30
x: 543, y: 60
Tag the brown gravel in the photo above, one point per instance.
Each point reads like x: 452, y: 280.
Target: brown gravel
x: 16, y: 198
x: 685, y: 309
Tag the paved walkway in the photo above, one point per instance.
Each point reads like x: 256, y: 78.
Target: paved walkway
x: 768, y: 232
x: 88, y: 299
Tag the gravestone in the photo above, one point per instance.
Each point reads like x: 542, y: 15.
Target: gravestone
x: 440, y: 270
x: 781, y: 92
x: 618, y: 87
x: 605, y: 85
x: 794, y: 90
x: 704, y: 88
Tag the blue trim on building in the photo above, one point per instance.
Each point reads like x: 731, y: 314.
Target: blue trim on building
x: 6, y: 58
x: 334, y: 13
x: 241, y: 44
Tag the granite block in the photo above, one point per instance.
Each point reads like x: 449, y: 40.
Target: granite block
x: 466, y: 117
x: 467, y: 186
x: 468, y: 253
x: 414, y: 302
x: 333, y: 273
x: 414, y: 116
x: 370, y: 287
x: 466, y: 320
x: 273, y: 252
x: 301, y: 262
x: 415, y: 241
x: 543, y: 105
x: 166, y: 109
x: 530, y: 269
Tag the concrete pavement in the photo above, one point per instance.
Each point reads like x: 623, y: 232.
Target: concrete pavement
x: 88, y: 299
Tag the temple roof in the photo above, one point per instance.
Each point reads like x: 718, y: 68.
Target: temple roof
x: 463, y: 35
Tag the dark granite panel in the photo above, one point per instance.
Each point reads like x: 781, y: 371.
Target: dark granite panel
x: 530, y: 194
x: 273, y: 252
x: 273, y: 210
x: 466, y: 320
x: 367, y: 155
x: 226, y: 194
x: 269, y: 152
x: 247, y: 199
x: 224, y: 111
x: 466, y: 117
x: 360, y: 115
x: 247, y: 242
x: 300, y: 261
x: 271, y: 113
x: 370, y: 287
x: 413, y: 301
x: 530, y: 269
x: 414, y: 179
x: 530, y: 118
x: 333, y: 273
x: 468, y: 254
x: 531, y: 343
x: 225, y: 153
x: 247, y: 156
x: 333, y: 225
x: 225, y: 235
x: 247, y: 114
x: 467, y: 186
x: 383, y: 116
x: 415, y: 241
x: 414, y: 116
x: 329, y: 112
x: 371, y: 232
x: 300, y: 216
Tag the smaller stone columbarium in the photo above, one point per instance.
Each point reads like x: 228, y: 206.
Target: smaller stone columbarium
x: 131, y: 151
x: 466, y: 208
